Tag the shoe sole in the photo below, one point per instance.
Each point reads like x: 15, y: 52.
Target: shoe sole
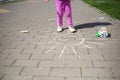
x: 71, y: 31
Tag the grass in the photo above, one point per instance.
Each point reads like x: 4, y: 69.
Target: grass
x: 111, y: 7
x: 7, y: 1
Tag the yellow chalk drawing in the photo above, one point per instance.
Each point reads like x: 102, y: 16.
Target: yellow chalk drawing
x: 4, y: 11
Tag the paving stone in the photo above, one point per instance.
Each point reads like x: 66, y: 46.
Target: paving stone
x: 48, y: 78
x: 96, y: 72
x: 116, y: 72
x: 31, y: 63
x: 75, y: 64
x: 107, y: 64
x: 6, y: 62
x: 109, y: 79
x: 49, y: 64
x: 69, y: 50
x: 115, y: 51
x: 3, y: 56
x: 81, y: 51
x: 34, y: 40
x: 112, y: 57
x: 20, y: 42
x: 91, y: 57
x: 45, y: 46
x: 3, y: 42
x: 17, y: 78
x: 82, y: 79
x: 101, y: 52
x: 66, y: 57
x: 34, y: 71
x: 45, y: 39
x: 18, y: 56
x: 12, y: 51
x: 15, y: 38
x: 65, y: 72
x: 1, y: 49
x: 111, y: 46
x: 26, y: 46
x: 52, y: 52
x: 1, y: 76
x: 39, y: 51
x: 10, y: 70
x: 8, y: 46
x: 41, y: 57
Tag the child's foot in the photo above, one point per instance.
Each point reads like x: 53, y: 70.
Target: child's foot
x: 59, y: 29
x: 72, y: 30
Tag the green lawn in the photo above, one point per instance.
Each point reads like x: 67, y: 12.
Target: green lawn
x: 111, y: 7
x: 8, y: 1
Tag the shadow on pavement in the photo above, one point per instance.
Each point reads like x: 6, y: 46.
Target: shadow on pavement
x: 91, y: 25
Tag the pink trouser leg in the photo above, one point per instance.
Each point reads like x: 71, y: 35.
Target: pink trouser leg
x: 68, y: 13
x: 61, y: 7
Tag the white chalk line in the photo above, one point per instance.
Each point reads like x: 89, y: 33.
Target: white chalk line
x: 42, y: 43
x: 79, y: 56
x: 74, y: 50
x: 56, y: 41
x: 51, y: 49
x: 83, y: 40
x: 62, y: 51
x: 87, y: 46
x: 95, y: 43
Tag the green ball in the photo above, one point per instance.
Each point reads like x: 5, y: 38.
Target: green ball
x: 98, y: 34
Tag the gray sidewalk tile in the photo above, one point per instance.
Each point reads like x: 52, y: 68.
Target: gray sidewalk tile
x: 111, y: 46
x: 109, y: 79
x: 48, y: 78
x: 51, y: 64
x: 65, y: 72
x: 66, y: 57
x: 1, y: 76
x: 26, y: 46
x: 6, y: 62
x: 113, y: 57
x: 34, y: 71
x: 35, y: 51
x: 106, y: 64
x: 79, y: 64
x: 12, y: 71
x: 18, y: 56
x: 116, y: 72
x: 3, y: 56
x: 41, y: 57
x: 31, y: 63
x: 8, y: 46
x: 17, y: 51
x: 82, y: 79
x: 17, y: 78
x: 1, y: 49
x: 96, y: 72
x: 91, y: 57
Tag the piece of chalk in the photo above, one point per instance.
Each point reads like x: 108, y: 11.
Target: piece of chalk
x: 51, y: 20
x: 24, y: 31
x: 101, y: 18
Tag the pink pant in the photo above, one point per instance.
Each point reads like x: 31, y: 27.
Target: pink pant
x: 61, y: 7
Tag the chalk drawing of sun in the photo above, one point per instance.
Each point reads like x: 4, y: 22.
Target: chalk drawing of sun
x: 71, y: 40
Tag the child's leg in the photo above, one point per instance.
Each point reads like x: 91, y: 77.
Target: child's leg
x: 60, y: 11
x: 68, y: 13
x: 69, y: 16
